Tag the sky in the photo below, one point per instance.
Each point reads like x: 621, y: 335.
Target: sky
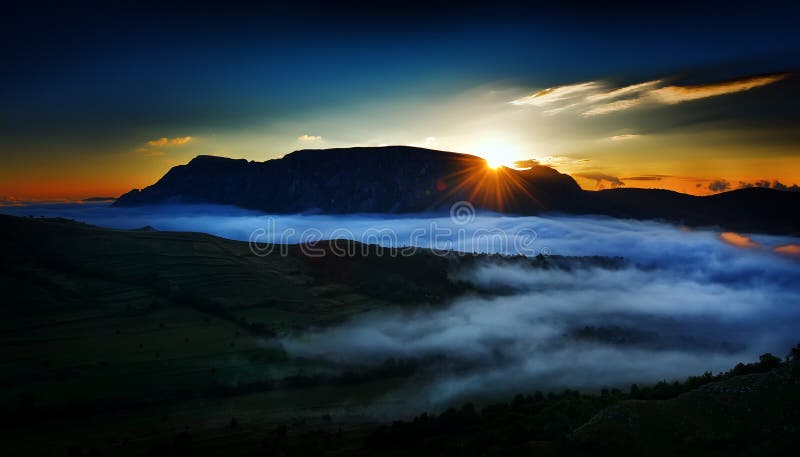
x: 97, y: 100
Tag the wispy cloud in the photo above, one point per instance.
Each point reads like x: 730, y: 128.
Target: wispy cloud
x: 164, y: 141
x: 596, y: 98
x: 601, y: 179
x: 624, y: 136
x: 646, y: 178
x: 306, y: 138
x: 627, y: 90
x: 672, y: 95
x: 557, y: 94
x: 613, y: 107
x: 678, y: 94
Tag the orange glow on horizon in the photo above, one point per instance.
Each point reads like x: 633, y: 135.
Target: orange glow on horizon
x: 115, y: 175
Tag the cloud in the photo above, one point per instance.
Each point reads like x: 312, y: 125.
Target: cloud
x: 788, y: 249
x: 596, y: 98
x: 583, y: 327
x: 306, y: 138
x: 613, y: 107
x: 557, y: 94
x: 627, y: 90
x: 9, y: 200
x: 624, y: 136
x: 738, y: 240
x: 428, y: 142
x: 527, y: 163
x: 166, y: 142
x: 646, y: 178
x: 678, y: 94
x: 719, y: 185
x: 775, y: 184
x: 601, y: 178
x: 554, y: 111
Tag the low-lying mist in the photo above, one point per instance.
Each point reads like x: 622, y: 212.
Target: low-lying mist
x: 687, y: 301
x: 586, y: 328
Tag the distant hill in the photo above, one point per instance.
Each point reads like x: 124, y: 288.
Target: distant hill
x: 402, y: 179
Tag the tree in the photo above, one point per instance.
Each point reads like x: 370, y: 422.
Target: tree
x: 769, y: 361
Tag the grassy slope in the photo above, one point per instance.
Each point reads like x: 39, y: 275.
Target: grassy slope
x: 98, y: 320
x: 128, y: 341
x: 753, y: 414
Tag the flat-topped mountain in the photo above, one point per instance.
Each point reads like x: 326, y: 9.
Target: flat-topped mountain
x: 392, y: 179
x: 402, y: 179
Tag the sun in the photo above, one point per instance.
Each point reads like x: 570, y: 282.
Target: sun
x: 498, y: 152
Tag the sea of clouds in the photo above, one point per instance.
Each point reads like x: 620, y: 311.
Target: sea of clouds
x: 687, y: 301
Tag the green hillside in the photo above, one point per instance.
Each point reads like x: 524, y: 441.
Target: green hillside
x: 139, y: 342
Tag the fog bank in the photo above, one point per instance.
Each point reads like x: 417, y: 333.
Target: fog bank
x: 687, y: 302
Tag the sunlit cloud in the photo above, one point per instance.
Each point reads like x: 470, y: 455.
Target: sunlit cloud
x: 306, y: 138
x: 526, y: 164
x: 557, y: 94
x: 164, y: 141
x: 737, y: 240
x: 9, y: 200
x: 788, y: 249
x: 627, y: 90
x: 624, y: 136
x: 554, y: 111
x: 552, y: 161
x: 430, y: 142
x: 597, y: 98
x: 613, y: 107
x: 679, y: 94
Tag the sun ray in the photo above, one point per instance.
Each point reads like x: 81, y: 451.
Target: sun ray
x: 490, y: 187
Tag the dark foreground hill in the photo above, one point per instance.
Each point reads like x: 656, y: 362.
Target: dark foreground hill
x: 400, y: 179
x: 139, y: 342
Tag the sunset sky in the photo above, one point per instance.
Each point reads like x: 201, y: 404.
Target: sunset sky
x: 96, y: 101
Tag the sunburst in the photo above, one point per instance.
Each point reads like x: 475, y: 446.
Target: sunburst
x: 489, y: 184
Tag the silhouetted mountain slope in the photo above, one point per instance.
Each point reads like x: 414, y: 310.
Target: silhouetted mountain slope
x: 388, y: 179
x: 398, y: 179
x: 753, y: 209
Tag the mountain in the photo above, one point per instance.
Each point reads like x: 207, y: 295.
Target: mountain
x: 402, y: 179
x: 394, y: 179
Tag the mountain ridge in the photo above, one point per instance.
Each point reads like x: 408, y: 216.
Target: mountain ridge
x: 404, y: 179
